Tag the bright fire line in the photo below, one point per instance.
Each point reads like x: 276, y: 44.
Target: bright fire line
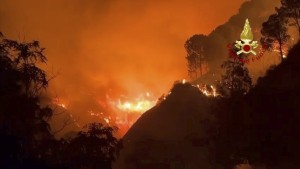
x: 137, y: 106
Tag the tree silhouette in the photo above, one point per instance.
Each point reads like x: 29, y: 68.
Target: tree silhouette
x: 26, y: 139
x: 94, y: 148
x: 273, y: 31
x: 291, y: 9
x: 23, y: 122
x: 236, y: 81
x: 195, y: 55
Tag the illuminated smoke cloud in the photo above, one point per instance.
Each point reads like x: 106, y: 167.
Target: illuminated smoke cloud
x: 119, y: 47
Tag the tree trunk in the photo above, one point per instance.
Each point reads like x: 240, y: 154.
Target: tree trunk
x: 297, y: 21
x: 200, y: 66
x: 298, y: 26
x: 281, y: 52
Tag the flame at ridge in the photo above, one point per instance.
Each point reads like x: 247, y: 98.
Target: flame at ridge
x: 122, y: 111
x: 138, y: 105
x: 58, y: 102
x: 207, y: 90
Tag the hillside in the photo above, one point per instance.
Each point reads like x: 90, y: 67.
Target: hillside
x: 190, y: 130
x: 171, y: 133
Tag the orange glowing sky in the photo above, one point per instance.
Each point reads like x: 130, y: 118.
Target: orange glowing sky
x: 133, y: 44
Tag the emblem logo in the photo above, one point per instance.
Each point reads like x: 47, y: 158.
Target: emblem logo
x: 246, y: 44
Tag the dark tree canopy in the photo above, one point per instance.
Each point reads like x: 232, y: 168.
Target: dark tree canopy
x: 195, y: 55
x: 21, y: 82
x: 274, y: 31
x: 26, y: 137
x: 94, y: 148
x: 291, y: 10
x: 236, y: 80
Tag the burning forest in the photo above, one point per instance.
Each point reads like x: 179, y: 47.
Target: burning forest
x: 148, y: 84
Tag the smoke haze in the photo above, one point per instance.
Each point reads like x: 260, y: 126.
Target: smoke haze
x: 114, y: 47
x: 136, y: 44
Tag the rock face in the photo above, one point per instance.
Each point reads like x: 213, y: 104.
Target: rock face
x: 172, y: 134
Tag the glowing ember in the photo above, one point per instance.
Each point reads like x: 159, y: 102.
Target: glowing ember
x: 207, y: 90
x: 56, y: 101
x: 284, y: 48
x: 183, y: 81
x: 106, y: 120
x: 62, y: 105
x: 94, y: 114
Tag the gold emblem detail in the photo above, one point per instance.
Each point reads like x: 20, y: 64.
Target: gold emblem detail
x: 246, y: 45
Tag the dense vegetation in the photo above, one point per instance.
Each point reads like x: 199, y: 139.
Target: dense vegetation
x: 26, y: 136
x: 245, y: 126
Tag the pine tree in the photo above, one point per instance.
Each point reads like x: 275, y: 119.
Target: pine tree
x: 195, y: 55
x: 291, y: 10
x: 273, y: 31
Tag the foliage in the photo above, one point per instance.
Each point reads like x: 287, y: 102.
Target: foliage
x: 94, y: 148
x: 26, y: 139
x: 291, y: 9
x: 236, y: 81
x: 273, y: 31
x: 262, y: 127
x: 21, y: 81
x: 195, y: 54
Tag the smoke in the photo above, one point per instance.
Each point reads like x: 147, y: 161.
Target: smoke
x: 257, y: 12
x: 110, y: 48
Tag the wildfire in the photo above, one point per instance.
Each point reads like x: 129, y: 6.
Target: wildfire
x: 208, y: 90
x: 126, y: 110
x: 107, y: 120
x: 70, y: 118
x: 137, y: 106
x: 62, y: 105
x: 284, y: 48
x: 140, y: 104
x: 58, y: 102
x: 123, y: 111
